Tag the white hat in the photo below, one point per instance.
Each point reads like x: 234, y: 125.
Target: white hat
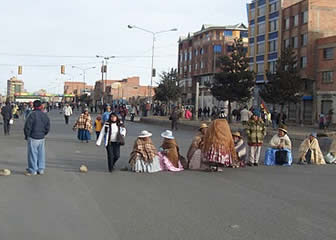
x: 167, y: 134
x: 145, y: 134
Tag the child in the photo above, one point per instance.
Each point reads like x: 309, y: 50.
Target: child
x: 98, y: 124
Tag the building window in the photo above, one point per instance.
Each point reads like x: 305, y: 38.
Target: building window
x: 251, y: 67
x: 185, y: 56
x: 305, y: 17
x: 252, y: 30
x: 260, y: 68
x: 190, y: 54
x: 304, y: 39
x: 196, y: 52
x: 295, y: 42
x: 181, y: 57
x: 286, y: 43
x: 260, y: 48
x: 272, y: 67
x: 251, y: 51
x: 273, y: 26
x: 261, y: 11
x: 202, y: 65
x: 252, y: 13
x: 196, y: 66
x: 296, y: 20
x: 303, y: 62
x: 184, y: 69
x: 228, y: 33
x: 273, y: 7
x: 273, y: 46
x: 181, y: 71
x: 286, y: 23
x: 201, y: 51
x: 327, y: 77
x: 261, y: 28
x: 328, y: 53
x: 189, y: 68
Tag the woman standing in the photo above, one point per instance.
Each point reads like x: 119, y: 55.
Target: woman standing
x: 84, y: 126
x: 115, y: 133
x: 144, y: 157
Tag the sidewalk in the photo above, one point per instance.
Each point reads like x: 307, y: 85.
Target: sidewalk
x: 295, y: 132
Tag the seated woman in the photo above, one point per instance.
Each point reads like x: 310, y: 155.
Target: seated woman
x: 280, y: 151
x: 144, y: 157
x: 194, y: 154
x: 169, y: 153
x: 240, y: 147
x: 219, y: 150
x: 310, y: 151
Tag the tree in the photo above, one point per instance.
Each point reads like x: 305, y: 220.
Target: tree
x: 168, y: 89
x: 235, y: 82
x: 285, y: 85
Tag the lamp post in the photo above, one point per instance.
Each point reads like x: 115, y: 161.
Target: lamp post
x: 104, y: 69
x: 84, y: 73
x: 154, y: 37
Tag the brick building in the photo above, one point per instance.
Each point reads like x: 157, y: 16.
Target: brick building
x: 325, y: 75
x: 197, y: 58
x: 126, y: 89
x: 76, y: 88
x: 277, y: 24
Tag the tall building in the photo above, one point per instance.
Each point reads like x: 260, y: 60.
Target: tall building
x: 197, y: 58
x: 277, y: 24
x: 14, y: 86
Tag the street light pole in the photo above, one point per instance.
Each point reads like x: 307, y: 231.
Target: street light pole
x: 84, y: 73
x: 153, y: 45
x: 105, y: 59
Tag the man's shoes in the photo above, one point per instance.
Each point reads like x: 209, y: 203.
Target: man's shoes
x: 250, y: 164
x: 255, y: 164
x: 28, y: 174
x: 41, y: 172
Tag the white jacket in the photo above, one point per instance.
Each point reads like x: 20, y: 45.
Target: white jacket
x: 67, y: 111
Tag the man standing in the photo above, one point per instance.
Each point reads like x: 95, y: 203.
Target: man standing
x: 256, y: 131
x: 174, y: 117
x: 7, y: 115
x: 67, y: 113
x: 245, y: 115
x: 36, y: 127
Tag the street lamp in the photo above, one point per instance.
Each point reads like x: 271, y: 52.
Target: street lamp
x: 154, y: 36
x: 84, y: 73
x: 104, y: 63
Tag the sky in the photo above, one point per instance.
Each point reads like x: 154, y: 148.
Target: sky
x: 42, y: 35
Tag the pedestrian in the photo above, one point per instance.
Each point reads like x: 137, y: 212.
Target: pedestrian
x: 114, y: 133
x: 144, y: 157
x: 36, y: 127
x: 240, y: 147
x: 7, y: 115
x: 84, y: 126
x: 219, y: 149
x: 174, y: 117
x: 310, y: 151
x: 188, y: 114
x: 245, y: 115
x: 195, y: 153
x: 67, y: 110
x: 98, y: 125
x: 322, y: 121
x: 274, y: 119
x: 256, y: 131
x: 107, y: 113
x: 169, y: 153
x: 280, y: 151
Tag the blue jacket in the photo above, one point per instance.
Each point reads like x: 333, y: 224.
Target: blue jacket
x: 37, y: 125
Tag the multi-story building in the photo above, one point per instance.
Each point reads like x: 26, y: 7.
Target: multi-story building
x: 325, y: 75
x: 128, y: 89
x: 14, y: 86
x: 277, y: 24
x: 197, y: 58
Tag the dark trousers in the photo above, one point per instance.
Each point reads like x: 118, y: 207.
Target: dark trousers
x: 6, y: 126
x: 174, y: 125
x: 113, y: 154
x: 66, y: 119
x: 97, y: 135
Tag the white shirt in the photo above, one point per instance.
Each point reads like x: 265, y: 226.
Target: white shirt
x: 245, y: 115
x: 114, y: 132
x: 67, y: 111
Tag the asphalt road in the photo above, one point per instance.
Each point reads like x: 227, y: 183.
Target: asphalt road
x: 295, y: 202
